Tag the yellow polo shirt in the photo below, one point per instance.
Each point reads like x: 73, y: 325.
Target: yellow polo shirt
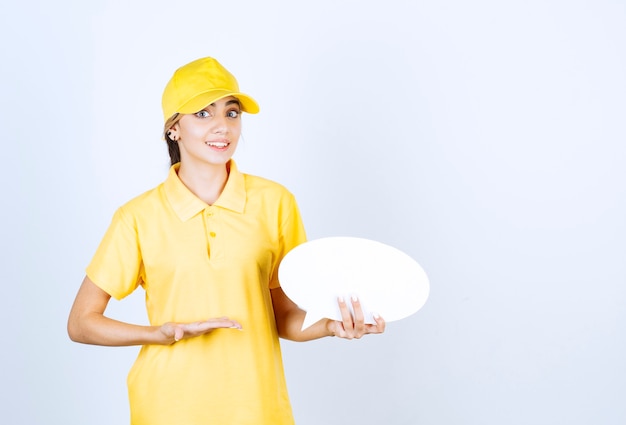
x: 197, y: 261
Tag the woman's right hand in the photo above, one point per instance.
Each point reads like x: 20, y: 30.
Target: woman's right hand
x: 174, y: 332
x: 88, y: 324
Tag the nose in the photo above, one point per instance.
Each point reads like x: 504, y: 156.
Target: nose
x: 220, y: 125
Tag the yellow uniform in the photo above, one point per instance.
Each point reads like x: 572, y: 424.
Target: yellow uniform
x: 197, y: 261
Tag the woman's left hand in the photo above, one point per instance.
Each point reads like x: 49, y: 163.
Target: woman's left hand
x: 351, y: 327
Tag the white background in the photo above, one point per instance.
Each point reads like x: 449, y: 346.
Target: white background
x: 486, y: 139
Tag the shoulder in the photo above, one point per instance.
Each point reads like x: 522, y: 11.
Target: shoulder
x: 142, y: 204
x: 276, y: 204
x: 260, y: 185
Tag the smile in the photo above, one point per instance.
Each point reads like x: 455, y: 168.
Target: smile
x: 219, y: 145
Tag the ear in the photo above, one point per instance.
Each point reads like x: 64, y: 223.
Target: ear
x: 173, y: 132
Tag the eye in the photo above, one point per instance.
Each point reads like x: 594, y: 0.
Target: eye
x: 202, y: 114
x: 233, y: 113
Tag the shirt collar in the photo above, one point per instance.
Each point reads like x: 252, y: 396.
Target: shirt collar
x: 187, y: 205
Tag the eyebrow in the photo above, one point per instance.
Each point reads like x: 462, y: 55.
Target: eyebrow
x: 230, y: 102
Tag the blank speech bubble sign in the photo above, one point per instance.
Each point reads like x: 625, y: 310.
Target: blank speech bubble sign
x: 386, y: 280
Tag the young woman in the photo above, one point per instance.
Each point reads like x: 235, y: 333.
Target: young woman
x: 205, y: 245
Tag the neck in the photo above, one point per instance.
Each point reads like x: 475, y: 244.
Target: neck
x: 206, y: 182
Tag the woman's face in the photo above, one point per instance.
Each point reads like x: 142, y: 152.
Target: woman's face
x: 210, y: 136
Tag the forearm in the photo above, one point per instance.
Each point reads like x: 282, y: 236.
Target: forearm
x: 88, y: 324
x: 290, y: 324
x: 289, y: 319
x: 97, y: 329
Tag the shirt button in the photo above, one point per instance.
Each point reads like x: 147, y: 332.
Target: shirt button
x: 212, y: 234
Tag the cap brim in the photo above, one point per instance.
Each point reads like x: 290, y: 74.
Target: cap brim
x: 202, y: 100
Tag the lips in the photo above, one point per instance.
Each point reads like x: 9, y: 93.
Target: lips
x: 218, y: 144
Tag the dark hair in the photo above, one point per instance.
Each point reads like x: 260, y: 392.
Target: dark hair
x: 172, y: 145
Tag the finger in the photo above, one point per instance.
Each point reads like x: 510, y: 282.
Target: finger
x: 358, y: 310
x: 378, y: 327
x: 380, y: 323
x: 179, y: 333
x: 359, y: 317
x: 212, y: 324
x: 346, y: 315
x: 224, y: 322
x: 338, y: 329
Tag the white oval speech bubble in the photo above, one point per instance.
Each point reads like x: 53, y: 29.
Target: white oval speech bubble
x: 386, y: 280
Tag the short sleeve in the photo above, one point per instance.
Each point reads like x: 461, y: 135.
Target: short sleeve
x: 292, y: 234
x: 116, y: 266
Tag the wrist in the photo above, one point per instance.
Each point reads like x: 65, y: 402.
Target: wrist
x: 159, y: 336
x: 330, y: 327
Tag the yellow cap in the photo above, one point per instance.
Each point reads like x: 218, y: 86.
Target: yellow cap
x: 200, y: 83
